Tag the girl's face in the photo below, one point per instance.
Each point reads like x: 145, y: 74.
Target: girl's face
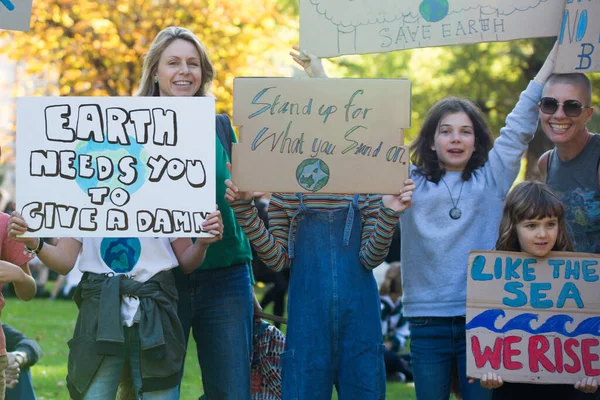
x: 179, y: 71
x: 454, y: 141
x: 538, y: 236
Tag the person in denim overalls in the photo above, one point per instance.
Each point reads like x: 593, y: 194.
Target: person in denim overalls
x: 331, y: 243
x: 334, y: 288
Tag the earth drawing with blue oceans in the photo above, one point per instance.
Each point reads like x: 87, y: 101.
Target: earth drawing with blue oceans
x: 115, y: 152
x: 120, y: 254
x: 312, y: 174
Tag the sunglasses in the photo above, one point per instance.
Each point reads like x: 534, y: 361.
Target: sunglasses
x: 571, y: 108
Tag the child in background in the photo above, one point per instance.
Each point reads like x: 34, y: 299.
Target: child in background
x: 533, y: 221
x: 394, y: 326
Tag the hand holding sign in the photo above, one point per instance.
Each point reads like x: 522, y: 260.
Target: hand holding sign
x: 233, y: 194
x: 402, y: 201
x: 587, y: 385
x: 17, y: 226
x: 309, y: 62
x: 213, y: 224
x: 489, y: 380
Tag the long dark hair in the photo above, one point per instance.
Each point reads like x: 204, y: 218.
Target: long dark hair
x: 531, y: 200
x: 427, y: 160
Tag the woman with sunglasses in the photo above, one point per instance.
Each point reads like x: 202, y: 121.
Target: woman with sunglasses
x: 565, y: 109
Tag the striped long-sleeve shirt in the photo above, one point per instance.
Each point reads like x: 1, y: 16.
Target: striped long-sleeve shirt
x: 378, y: 225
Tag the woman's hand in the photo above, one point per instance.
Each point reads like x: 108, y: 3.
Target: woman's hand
x: 233, y: 194
x: 489, y: 381
x: 402, y: 201
x: 17, y: 226
x: 213, y: 224
x: 309, y: 62
x: 587, y: 385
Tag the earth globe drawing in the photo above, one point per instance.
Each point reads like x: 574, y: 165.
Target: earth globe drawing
x: 312, y: 174
x: 120, y: 254
x: 434, y: 10
x: 115, y: 152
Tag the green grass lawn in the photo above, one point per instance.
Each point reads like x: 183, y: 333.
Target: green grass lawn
x: 51, y: 324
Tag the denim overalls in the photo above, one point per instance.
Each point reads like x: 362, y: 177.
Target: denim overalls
x: 334, y: 328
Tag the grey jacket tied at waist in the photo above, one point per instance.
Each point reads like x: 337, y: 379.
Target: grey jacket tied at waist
x: 99, y: 329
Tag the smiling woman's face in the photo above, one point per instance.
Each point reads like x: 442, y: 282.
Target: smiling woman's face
x: 179, y: 71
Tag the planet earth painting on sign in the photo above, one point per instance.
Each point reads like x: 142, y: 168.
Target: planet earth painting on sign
x: 312, y: 174
x: 120, y: 254
x: 434, y: 10
x: 114, y: 152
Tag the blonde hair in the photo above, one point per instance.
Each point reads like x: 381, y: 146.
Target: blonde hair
x: 531, y: 200
x: 147, y: 86
x: 392, y: 282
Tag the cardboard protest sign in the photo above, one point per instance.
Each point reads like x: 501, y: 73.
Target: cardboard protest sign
x: 321, y: 135
x: 115, y: 166
x: 579, y: 39
x: 330, y: 28
x: 15, y: 14
x: 533, y: 320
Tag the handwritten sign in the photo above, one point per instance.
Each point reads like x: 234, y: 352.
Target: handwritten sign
x: 533, y: 320
x: 330, y: 28
x: 115, y: 166
x: 321, y: 135
x: 579, y: 39
x: 15, y: 14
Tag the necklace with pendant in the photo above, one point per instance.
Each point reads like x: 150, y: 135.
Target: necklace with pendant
x: 455, y: 212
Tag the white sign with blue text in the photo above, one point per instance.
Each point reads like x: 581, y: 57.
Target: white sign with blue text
x: 15, y: 14
x: 115, y: 166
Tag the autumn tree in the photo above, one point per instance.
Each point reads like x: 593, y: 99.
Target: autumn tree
x: 95, y: 48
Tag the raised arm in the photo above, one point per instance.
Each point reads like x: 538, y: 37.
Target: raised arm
x: 505, y: 157
x: 270, y: 244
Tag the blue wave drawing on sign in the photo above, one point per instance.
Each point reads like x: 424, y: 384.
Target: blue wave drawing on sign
x: 522, y: 322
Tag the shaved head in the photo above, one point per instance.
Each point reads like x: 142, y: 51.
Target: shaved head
x: 577, y: 80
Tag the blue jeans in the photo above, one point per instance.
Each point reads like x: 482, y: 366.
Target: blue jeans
x: 216, y: 305
x: 106, y: 381
x: 438, y: 343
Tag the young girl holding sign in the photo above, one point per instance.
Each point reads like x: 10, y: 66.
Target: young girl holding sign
x: 533, y: 221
